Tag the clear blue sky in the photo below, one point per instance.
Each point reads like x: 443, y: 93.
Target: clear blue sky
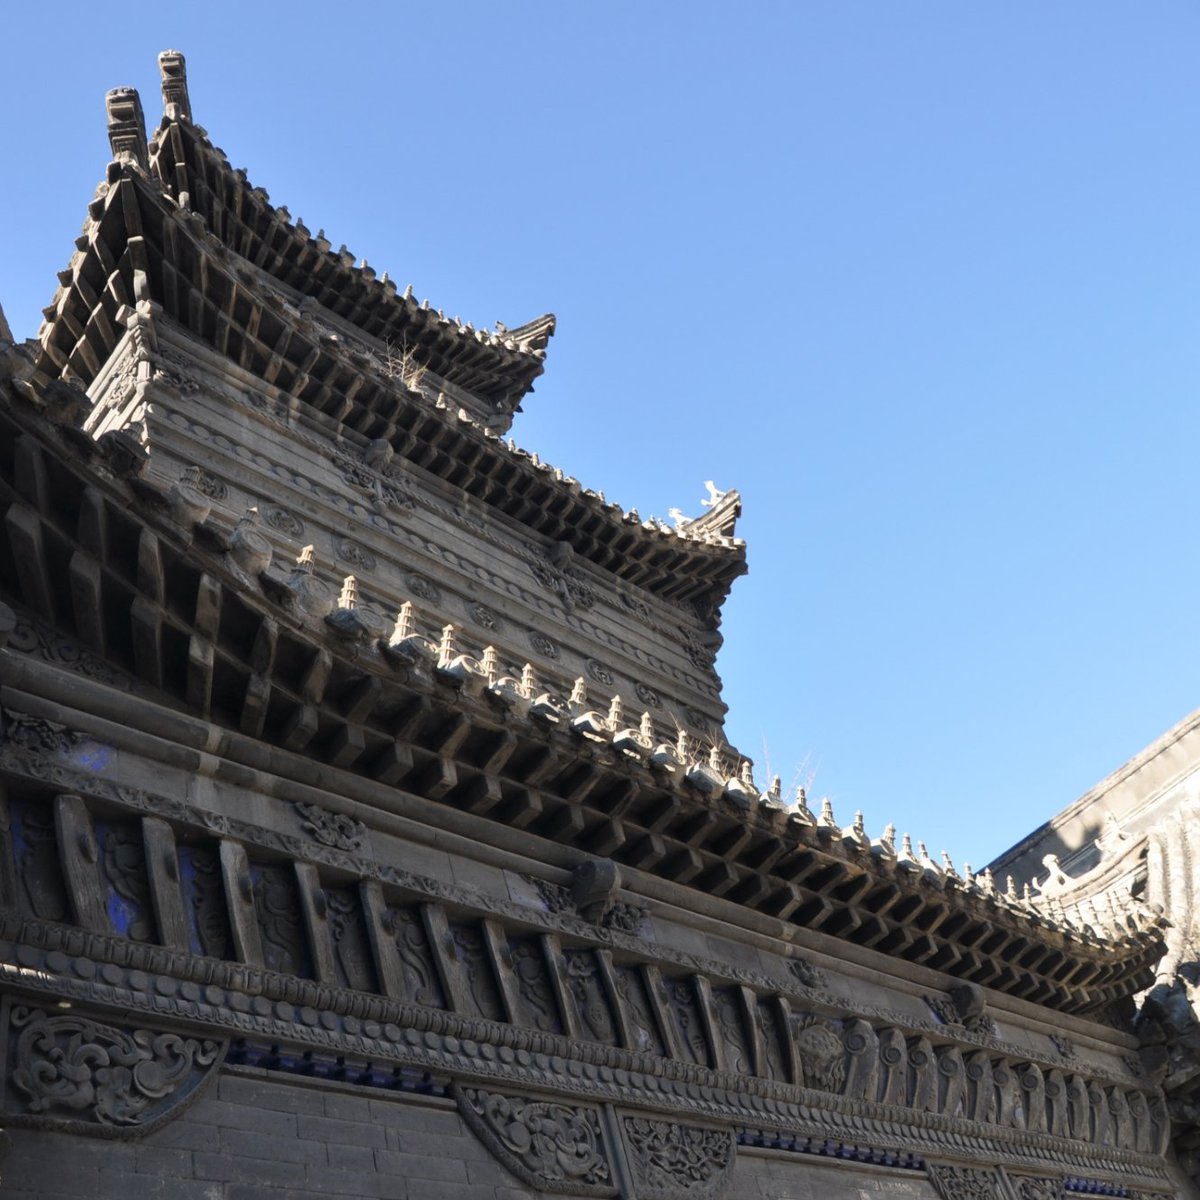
x: 920, y: 279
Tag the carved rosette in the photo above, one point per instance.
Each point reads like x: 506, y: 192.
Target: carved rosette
x: 677, y: 1162
x: 551, y: 1146
x: 77, y: 1074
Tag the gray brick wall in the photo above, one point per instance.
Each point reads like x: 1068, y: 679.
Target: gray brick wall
x: 257, y: 1138
x: 254, y: 1138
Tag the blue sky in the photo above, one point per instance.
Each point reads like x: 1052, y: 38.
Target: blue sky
x: 920, y: 280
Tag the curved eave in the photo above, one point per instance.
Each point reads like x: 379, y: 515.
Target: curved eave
x: 497, y: 366
x: 75, y: 545
x: 138, y: 244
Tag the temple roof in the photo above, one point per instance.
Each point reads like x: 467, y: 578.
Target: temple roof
x: 310, y: 325
x: 143, y: 578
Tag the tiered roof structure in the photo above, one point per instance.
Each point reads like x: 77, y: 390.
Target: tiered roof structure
x: 321, y: 693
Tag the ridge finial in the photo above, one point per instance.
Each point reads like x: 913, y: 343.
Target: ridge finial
x: 173, y: 68
x: 127, y: 126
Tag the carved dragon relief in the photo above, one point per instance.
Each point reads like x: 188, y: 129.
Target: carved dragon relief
x: 75, y: 1073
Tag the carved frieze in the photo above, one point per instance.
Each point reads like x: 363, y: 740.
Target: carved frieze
x: 669, y: 1161
x: 71, y: 1072
x: 552, y: 1146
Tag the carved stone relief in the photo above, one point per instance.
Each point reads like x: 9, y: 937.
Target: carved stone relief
x: 533, y: 986
x: 283, y: 520
x: 70, y: 1072
x: 669, y: 1161
x: 354, y: 555
x: 421, y: 985
x: 331, y: 828
x: 551, y: 1146
x: 351, y: 950
x: 965, y: 1183
x: 40, y: 641
x: 285, y: 946
x: 583, y: 980
x: 481, y: 985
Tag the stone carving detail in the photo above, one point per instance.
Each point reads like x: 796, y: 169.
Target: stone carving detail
x: 599, y: 672
x: 567, y: 584
x: 543, y: 645
x: 124, y: 863
x: 1028, y: 1188
x: 36, y: 733
x: 583, y: 980
x: 550, y: 1146
x: 1063, y: 1045
x: 639, y: 608
x: 965, y: 1183
x: 331, y: 828
x: 484, y: 617
x: 205, y: 484
x: 671, y: 1161
x: 201, y: 872
x: 40, y: 641
x: 423, y: 588
x: 533, y: 986
x: 731, y: 1032
x: 351, y: 950
x: 349, y: 551
x: 637, y: 1010
x: 699, y: 651
x: 35, y: 851
x: 388, y: 489
x: 281, y: 519
x: 285, y: 946
x: 696, y: 719
x: 78, y: 1074
x: 805, y: 973
x: 421, y: 984
x: 648, y: 696
x: 819, y: 1049
x: 481, y: 984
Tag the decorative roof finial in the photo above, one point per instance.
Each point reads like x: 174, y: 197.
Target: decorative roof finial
x: 127, y: 126
x: 528, y: 681
x: 349, y: 596
x: 173, y: 69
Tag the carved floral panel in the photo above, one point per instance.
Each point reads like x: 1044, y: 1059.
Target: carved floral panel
x: 71, y: 1072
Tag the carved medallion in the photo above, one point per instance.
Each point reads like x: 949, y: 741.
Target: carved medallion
x: 552, y: 1147
x: 677, y: 1162
x: 484, y: 617
x: 349, y: 551
x: 648, y: 696
x: 543, y: 645
x: 423, y: 588
x: 599, y: 672
x: 283, y: 520
x: 72, y: 1073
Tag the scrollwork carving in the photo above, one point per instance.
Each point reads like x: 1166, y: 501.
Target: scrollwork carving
x: 551, y: 1146
x: 677, y: 1162
x: 331, y: 828
x: 965, y: 1183
x: 75, y: 1073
